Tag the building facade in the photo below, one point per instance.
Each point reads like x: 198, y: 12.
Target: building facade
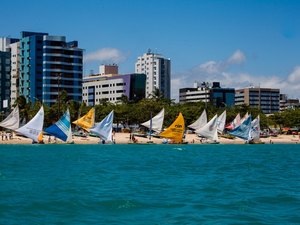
x: 4, y: 80
x: 265, y: 99
x: 10, y: 45
x: 219, y: 97
x: 62, y: 69
x: 48, y: 65
x: 98, y: 88
x: 158, y: 73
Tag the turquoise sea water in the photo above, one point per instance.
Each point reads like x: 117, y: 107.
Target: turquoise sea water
x: 149, y: 184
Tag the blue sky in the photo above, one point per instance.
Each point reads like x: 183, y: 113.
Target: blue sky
x: 239, y: 43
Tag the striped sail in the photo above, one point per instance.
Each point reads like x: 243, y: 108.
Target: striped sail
x: 61, y: 128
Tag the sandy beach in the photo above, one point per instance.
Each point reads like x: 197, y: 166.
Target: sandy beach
x: 124, y: 138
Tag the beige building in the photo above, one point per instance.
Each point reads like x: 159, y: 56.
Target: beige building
x: 266, y: 99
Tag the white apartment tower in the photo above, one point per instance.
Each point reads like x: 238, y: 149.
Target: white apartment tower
x: 158, y: 73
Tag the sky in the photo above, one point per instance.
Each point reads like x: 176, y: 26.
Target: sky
x: 239, y: 43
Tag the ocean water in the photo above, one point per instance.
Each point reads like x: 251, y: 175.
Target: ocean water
x: 149, y: 184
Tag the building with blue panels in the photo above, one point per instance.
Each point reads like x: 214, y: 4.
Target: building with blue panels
x: 221, y: 97
x: 48, y: 65
x: 62, y: 69
x: 31, y: 65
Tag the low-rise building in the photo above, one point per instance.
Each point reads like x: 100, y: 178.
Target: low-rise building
x: 109, y: 87
x: 216, y: 95
x: 265, y: 99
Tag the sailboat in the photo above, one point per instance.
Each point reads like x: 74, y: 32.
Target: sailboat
x: 243, y: 130
x: 62, y: 128
x: 235, y: 123
x: 175, y: 131
x: 33, y: 129
x: 221, y: 122
x: 87, y: 121
x: 104, y: 128
x: 244, y: 117
x: 200, y: 122
x: 12, y: 121
x: 254, y: 134
x: 210, y: 130
x: 156, y: 122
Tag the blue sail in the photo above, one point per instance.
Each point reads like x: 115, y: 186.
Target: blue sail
x: 243, y: 130
x: 61, y: 128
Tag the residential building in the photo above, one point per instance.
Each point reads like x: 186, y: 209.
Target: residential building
x: 62, y: 69
x: 48, y: 65
x: 31, y: 65
x: 158, y: 73
x: 219, y: 97
x: 14, y: 81
x: 109, y: 87
x: 10, y: 45
x: 4, y: 80
x: 265, y: 99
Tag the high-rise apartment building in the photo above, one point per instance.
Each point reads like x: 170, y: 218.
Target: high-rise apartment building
x: 48, y: 65
x: 4, y: 79
x: 62, y: 69
x: 158, y: 73
x: 8, y: 49
x: 265, y: 99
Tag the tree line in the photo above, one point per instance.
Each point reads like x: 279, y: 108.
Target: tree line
x: 131, y: 112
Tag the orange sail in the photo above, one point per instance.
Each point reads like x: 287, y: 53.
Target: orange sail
x: 87, y: 121
x: 175, y: 131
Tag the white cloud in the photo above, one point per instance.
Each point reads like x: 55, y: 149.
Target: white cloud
x: 111, y: 55
x: 295, y: 75
x: 213, y: 71
x: 237, y: 57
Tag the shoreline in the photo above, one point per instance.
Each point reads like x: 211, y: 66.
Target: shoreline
x: 123, y: 138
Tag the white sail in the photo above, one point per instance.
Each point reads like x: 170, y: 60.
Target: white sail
x: 34, y: 127
x: 244, y: 117
x: 12, y: 121
x: 157, y: 121
x: 209, y: 131
x: 254, y: 133
x: 70, y: 138
x: 221, y: 122
x: 104, y: 128
x: 200, y: 122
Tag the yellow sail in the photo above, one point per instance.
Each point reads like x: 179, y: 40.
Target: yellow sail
x: 40, y: 137
x: 175, y: 131
x: 87, y: 121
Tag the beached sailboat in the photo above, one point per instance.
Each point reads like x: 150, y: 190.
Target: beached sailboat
x: 254, y: 134
x: 156, y: 122
x: 175, y: 131
x: 104, y: 128
x: 34, y: 128
x: 235, y: 123
x: 87, y: 121
x: 210, y: 130
x: 244, y: 117
x: 221, y: 122
x: 62, y: 128
x: 200, y: 122
x: 12, y: 121
x: 243, y: 130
